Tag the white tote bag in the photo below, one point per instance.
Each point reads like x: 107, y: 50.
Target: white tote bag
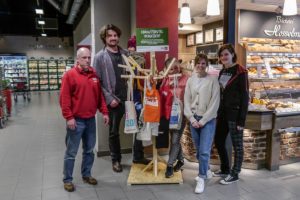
x: 176, y: 111
x: 130, y: 113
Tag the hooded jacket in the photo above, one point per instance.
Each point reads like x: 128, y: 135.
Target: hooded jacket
x: 234, y: 94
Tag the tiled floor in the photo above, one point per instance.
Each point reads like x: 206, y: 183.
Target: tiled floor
x: 31, y: 159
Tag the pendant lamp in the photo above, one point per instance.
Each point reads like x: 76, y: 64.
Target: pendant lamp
x: 185, y: 14
x: 289, y: 7
x: 213, y: 7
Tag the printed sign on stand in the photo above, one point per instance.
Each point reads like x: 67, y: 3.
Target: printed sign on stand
x: 152, y: 39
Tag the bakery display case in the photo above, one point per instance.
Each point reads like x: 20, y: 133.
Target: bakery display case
x: 279, y: 95
x: 45, y: 74
x: 272, y: 58
x: 33, y: 75
x: 52, y: 74
x: 273, y: 68
x: 62, y: 64
x: 274, y: 86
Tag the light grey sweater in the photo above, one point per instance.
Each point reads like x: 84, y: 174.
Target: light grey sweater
x: 201, y: 97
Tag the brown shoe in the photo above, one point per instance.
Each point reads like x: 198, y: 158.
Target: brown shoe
x: 90, y: 180
x: 117, y: 167
x: 69, y: 187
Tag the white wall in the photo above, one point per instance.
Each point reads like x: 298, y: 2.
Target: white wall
x: 43, y: 47
x: 83, y: 29
x: 112, y: 12
x: 118, y: 13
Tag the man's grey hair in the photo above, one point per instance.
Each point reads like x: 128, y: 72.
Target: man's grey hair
x: 80, y: 50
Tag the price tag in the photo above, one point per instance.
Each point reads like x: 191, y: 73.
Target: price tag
x: 257, y: 94
x: 268, y: 67
x: 287, y: 66
x: 258, y: 71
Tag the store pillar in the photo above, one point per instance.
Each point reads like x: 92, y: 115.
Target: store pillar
x: 229, y: 21
x: 159, y: 14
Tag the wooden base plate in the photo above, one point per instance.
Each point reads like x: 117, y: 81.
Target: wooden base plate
x: 136, y: 176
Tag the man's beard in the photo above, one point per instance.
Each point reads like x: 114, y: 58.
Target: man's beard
x: 113, y: 45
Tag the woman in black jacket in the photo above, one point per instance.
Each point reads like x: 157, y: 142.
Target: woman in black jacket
x: 233, y: 79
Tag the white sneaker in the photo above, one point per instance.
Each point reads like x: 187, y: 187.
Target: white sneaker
x: 200, y: 186
x: 209, y: 174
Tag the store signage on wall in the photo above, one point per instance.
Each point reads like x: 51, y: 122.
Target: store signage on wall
x: 152, y: 39
x: 269, y: 25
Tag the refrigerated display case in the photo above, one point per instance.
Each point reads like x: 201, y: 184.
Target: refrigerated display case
x: 15, y: 69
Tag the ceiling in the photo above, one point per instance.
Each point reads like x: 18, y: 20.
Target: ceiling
x: 198, y: 11
x: 18, y: 17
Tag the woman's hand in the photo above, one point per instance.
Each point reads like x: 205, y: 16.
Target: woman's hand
x: 195, y: 124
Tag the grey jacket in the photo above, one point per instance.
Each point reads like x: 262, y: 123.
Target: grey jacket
x: 105, y: 71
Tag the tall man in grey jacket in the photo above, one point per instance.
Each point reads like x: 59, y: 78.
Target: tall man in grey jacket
x: 115, y: 90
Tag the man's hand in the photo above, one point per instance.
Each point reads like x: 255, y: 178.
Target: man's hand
x: 106, y: 119
x: 114, y: 103
x: 71, y: 124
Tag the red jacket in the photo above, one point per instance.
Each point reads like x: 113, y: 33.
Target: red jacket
x: 81, y: 94
x: 166, y: 94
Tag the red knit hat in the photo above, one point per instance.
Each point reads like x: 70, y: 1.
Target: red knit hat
x: 132, y: 42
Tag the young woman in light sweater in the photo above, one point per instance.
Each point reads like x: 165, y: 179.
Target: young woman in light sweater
x: 201, y: 103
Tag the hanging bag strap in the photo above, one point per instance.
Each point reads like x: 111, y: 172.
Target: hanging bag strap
x: 130, y: 89
x: 175, y: 86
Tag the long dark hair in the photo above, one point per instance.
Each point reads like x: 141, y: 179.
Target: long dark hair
x: 230, y: 48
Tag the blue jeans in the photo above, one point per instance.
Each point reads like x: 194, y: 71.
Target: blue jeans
x: 85, y: 130
x: 203, y: 138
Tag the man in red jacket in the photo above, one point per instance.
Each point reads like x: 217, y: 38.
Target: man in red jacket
x: 80, y: 97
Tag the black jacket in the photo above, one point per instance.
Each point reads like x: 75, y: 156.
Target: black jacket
x: 235, y: 95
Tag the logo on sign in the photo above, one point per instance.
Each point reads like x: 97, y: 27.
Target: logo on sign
x: 278, y: 32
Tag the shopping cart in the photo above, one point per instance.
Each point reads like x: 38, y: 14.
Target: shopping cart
x: 3, y: 115
x: 22, y: 89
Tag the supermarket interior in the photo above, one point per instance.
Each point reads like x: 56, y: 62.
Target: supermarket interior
x: 39, y: 42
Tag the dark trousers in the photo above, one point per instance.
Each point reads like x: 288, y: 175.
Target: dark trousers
x: 115, y: 117
x: 225, y: 127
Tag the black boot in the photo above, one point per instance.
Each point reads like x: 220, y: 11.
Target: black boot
x: 169, y: 172
x: 178, y: 165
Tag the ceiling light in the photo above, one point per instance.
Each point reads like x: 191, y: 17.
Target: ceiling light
x: 39, y: 11
x: 213, y: 8
x: 289, y: 7
x: 185, y: 14
x: 44, y: 34
x: 41, y: 22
